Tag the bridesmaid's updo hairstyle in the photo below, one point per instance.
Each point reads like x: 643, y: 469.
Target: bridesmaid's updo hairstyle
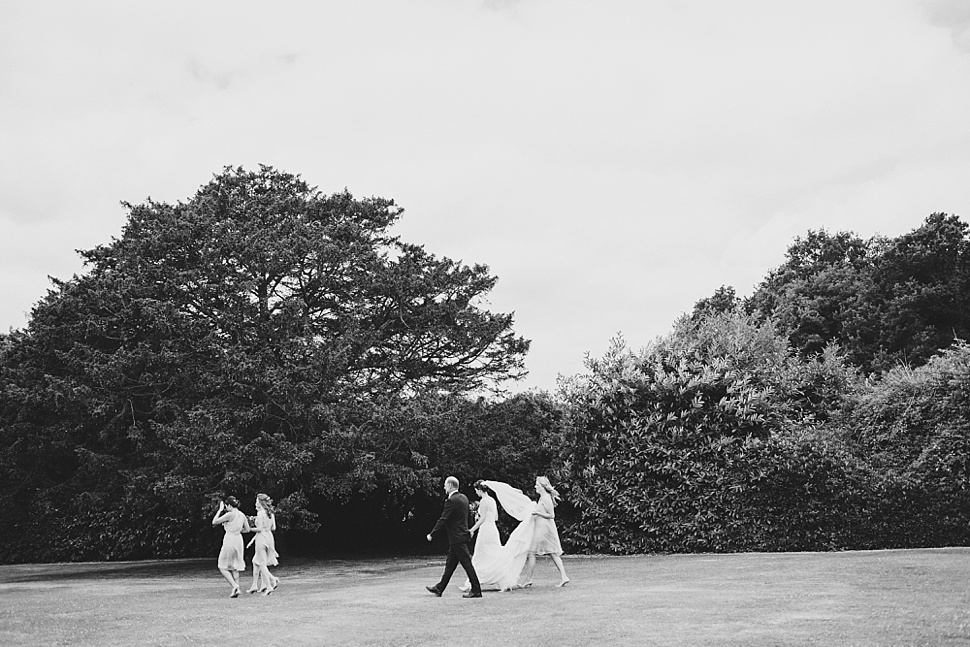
x: 547, y: 486
x: 233, y: 501
x: 267, y: 503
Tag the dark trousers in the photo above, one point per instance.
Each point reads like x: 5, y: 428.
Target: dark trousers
x: 458, y: 554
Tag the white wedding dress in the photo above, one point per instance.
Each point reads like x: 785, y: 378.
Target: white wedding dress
x: 499, y: 566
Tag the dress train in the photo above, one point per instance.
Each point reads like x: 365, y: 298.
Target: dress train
x: 499, y: 566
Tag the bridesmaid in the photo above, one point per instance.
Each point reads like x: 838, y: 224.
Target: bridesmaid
x: 266, y: 554
x: 231, y: 559
x: 545, y: 539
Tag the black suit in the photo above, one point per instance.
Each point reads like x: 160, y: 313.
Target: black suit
x: 454, y: 519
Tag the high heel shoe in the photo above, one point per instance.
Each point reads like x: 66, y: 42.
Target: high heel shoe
x: 235, y: 592
x: 251, y: 589
x: 564, y: 582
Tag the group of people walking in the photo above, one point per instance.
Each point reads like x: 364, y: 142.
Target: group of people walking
x: 231, y: 557
x: 496, y: 565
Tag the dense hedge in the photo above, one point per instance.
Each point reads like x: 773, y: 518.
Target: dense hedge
x: 718, y: 438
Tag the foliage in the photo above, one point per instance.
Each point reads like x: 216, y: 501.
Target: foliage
x: 921, y: 287
x: 411, y: 448
x: 265, y: 337
x: 718, y: 438
x: 706, y: 440
x: 724, y: 299
x: 259, y: 337
x: 812, y: 295
x: 913, y: 426
x: 883, y: 301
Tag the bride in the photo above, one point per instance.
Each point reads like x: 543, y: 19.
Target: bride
x: 498, y: 566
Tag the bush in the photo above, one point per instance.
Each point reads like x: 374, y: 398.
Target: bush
x: 707, y: 440
x: 913, y: 427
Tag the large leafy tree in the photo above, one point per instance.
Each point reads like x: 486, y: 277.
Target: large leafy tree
x: 883, y: 301
x: 816, y: 291
x: 251, y: 338
x: 920, y: 290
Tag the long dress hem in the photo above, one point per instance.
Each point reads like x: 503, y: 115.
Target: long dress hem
x: 499, y: 566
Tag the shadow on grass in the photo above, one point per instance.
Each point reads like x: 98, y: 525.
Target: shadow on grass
x: 180, y: 568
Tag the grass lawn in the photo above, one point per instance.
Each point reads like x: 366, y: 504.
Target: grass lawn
x: 896, y: 597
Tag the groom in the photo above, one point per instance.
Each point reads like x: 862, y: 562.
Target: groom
x: 454, y: 519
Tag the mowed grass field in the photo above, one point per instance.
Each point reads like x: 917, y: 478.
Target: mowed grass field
x: 896, y: 597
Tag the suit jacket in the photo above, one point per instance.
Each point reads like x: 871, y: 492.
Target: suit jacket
x: 454, y: 519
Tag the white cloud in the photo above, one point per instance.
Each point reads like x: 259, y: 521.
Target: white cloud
x: 612, y: 162
x: 953, y: 15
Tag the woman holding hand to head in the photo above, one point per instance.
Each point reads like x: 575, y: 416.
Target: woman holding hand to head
x: 231, y: 559
x: 266, y: 554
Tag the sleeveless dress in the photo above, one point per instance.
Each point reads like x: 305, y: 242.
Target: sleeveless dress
x: 231, y: 555
x: 266, y: 554
x: 499, y: 566
x: 545, y: 538
x: 489, y: 559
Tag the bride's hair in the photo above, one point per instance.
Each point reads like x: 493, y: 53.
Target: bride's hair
x: 480, y: 485
x: 547, y: 486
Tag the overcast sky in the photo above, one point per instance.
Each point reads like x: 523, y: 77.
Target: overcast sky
x: 611, y: 161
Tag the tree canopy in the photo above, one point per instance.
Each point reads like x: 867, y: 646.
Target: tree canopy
x: 256, y: 337
x: 883, y: 301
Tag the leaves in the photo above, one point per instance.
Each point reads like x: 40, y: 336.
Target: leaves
x: 688, y: 445
x: 884, y: 301
x: 261, y: 336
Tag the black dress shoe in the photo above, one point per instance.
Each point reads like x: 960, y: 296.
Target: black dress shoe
x: 471, y: 594
x: 433, y: 590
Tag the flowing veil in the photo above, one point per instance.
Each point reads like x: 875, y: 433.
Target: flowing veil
x: 516, y: 549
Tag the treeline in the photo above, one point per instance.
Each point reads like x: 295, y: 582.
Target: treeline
x: 829, y: 410
x: 264, y: 337
x: 719, y: 438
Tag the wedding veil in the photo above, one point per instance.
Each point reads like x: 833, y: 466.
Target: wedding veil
x: 512, y: 500
x: 516, y: 549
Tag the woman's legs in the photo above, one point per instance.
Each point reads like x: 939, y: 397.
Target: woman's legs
x: 255, y: 586
x: 530, y: 566
x: 261, y: 561
x: 267, y: 579
x: 233, y: 578
x: 562, y: 569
